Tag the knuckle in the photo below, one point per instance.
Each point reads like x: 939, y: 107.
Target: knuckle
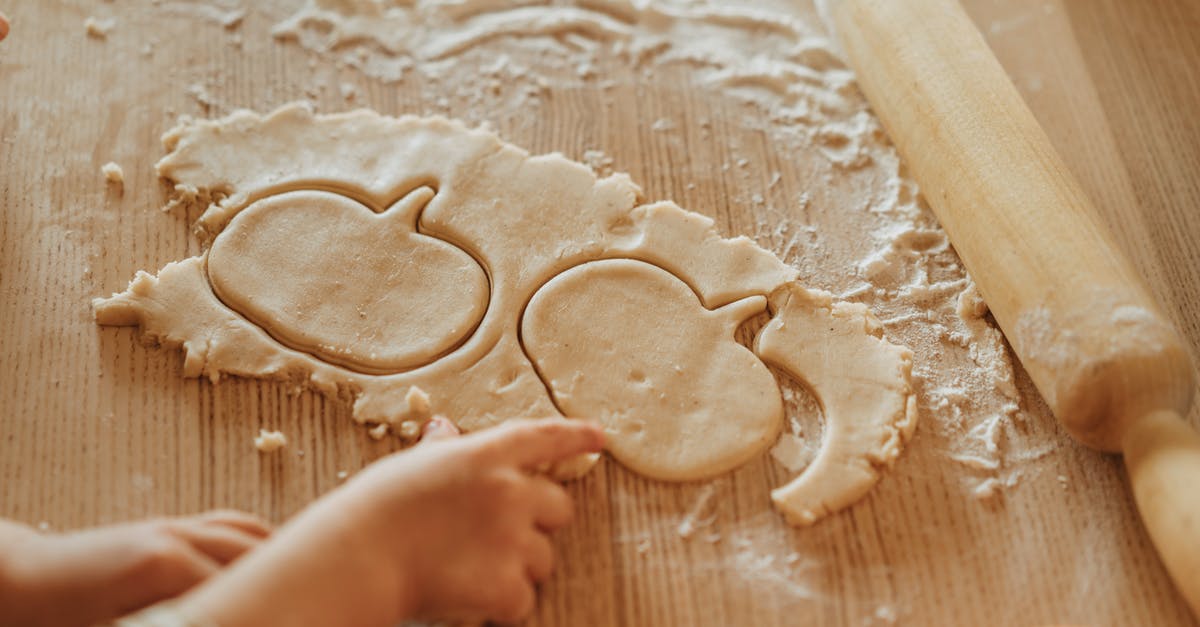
x: 566, y: 511
x: 517, y: 602
x: 506, y: 485
x: 168, y: 528
x: 163, y: 557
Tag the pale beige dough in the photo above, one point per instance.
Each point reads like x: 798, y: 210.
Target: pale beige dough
x: 630, y: 345
x: 479, y: 214
x: 864, y: 385
x: 269, y: 441
x: 352, y: 286
x: 113, y: 173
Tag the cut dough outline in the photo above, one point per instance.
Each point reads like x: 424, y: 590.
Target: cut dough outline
x: 371, y: 203
x: 741, y: 303
x: 605, y: 218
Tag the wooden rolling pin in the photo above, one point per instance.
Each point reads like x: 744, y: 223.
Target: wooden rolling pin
x: 1109, y: 363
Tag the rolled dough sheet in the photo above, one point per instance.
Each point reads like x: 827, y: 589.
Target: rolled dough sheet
x: 366, y: 256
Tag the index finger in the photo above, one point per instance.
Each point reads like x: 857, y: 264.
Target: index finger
x: 531, y: 443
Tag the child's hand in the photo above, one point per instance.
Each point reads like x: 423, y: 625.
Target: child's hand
x: 90, y: 576
x: 452, y: 529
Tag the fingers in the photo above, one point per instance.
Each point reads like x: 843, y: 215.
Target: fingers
x: 552, y: 506
x: 539, y: 557
x: 439, y: 428
x: 513, y: 597
x: 532, y: 443
x: 241, y: 521
x: 221, y: 543
x: 172, y: 568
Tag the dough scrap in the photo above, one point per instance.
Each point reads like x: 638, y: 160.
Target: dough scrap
x: 627, y: 343
x: 537, y: 227
x: 269, y: 441
x: 98, y: 28
x: 113, y: 173
x: 864, y: 385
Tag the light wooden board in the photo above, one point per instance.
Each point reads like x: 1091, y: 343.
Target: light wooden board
x: 98, y: 428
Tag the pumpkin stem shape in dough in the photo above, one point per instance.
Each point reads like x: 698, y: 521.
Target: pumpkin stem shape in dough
x: 628, y: 344
x: 326, y: 275
x: 864, y: 385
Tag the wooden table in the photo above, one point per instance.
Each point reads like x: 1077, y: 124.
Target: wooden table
x: 97, y: 428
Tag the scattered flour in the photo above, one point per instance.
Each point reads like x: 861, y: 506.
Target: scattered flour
x: 793, y: 452
x: 598, y: 161
x: 200, y: 93
x: 227, y: 14
x: 701, y: 515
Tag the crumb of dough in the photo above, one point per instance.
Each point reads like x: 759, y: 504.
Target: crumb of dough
x: 349, y: 91
x: 418, y: 402
x: 233, y: 19
x: 342, y: 475
x: 410, y: 430
x: 269, y: 441
x: 113, y: 173
x: 98, y: 29
x: 201, y: 95
x: 379, y: 431
x: 43, y: 526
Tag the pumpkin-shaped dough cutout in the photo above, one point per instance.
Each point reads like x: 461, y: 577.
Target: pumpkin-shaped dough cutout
x: 324, y: 274
x: 629, y: 344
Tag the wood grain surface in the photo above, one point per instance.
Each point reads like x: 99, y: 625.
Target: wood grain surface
x: 98, y: 428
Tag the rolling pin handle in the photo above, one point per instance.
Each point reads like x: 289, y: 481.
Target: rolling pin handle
x: 1162, y: 454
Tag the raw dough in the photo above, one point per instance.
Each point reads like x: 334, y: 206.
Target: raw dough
x: 362, y: 289
x: 269, y: 441
x: 525, y: 220
x: 113, y: 173
x: 628, y: 344
x: 862, y: 382
x: 97, y: 28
